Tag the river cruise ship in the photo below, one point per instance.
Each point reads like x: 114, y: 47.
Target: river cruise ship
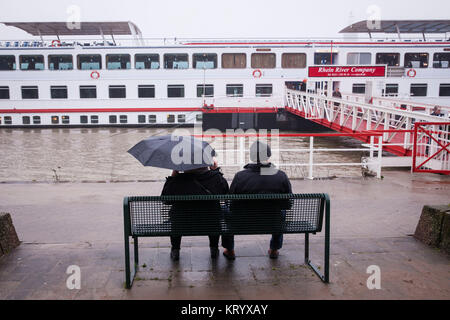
x: 107, y: 74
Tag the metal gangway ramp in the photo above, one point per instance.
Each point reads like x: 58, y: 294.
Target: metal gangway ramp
x: 417, y: 138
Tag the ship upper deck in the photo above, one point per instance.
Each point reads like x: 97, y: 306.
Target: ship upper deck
x: 127, y: 34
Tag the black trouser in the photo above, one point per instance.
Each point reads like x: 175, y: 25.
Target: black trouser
x: 176, y: 241
x: 276, y: 243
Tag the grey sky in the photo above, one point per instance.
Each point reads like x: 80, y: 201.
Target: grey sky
x: 231, y: 18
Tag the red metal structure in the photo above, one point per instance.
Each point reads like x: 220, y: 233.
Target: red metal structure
x: 432, y: 147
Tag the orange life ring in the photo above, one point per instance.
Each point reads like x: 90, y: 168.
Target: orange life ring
x: 257, y: 74
x: 56, y: 43
x: 411, y: 73
x: 95, y: 75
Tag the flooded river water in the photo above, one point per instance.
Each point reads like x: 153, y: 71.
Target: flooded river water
x: 100, y: 155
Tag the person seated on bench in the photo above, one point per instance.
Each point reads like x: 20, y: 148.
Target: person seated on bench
x: 202, y: 181
x: 259, y: 177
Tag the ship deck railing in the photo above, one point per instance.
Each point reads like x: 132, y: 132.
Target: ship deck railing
x: 142, y: 42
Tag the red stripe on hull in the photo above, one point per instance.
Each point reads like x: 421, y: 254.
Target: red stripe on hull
x: 241, y: 110
x: 311, y: 43
x: 98, y: 110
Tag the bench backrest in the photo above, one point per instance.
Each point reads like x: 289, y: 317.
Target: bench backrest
x: 224, y: 214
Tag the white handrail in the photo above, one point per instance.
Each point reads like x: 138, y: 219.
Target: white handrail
x: 371, y: 148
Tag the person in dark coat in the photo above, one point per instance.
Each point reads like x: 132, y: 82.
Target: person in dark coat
x: 259, y: 177
x: 203, y: 181
x: 337, y: 94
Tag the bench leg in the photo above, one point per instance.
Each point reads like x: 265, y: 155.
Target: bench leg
x: 308, y: 262
x: 326, y: 276
x: 307, y: 248
x: 127, y: 263
x: 136, y: 253
x: 130, y: 274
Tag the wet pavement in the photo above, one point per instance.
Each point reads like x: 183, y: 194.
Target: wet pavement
x: 81, y: 224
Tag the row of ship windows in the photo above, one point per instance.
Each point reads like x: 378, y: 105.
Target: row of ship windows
x: 203, y: 90
x: 94, y: 119
x: 144, y: 91
x: 416, y: 89
x: 209, y: 61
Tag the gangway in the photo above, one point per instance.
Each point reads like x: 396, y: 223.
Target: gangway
x: 399, y: 103
x: 403, y: 130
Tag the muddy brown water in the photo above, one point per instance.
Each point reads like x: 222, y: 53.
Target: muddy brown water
x: 100, y: 155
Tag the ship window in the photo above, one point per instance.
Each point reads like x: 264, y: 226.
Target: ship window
x: 293, y: 60
x: 152, y: 118
x: 30, y: 92
x: 234, y: 61
x: 7, y: 63
x: 170, y: 118
x: 181, y: 118
x: 390, y: 59
x: 444, y: 90
x: 65, y: 119
x: 206, y: 90
x: 441, y: 60
x: 36, y: 120
x: 419, y: 89
x: 324, y: 58
x: 35, y: 62
x: 205, y: 60
x: 117, y: 92
x: 118, y: 61
x: 199, y: 117
x: 4, y: 92
x: 141, y: 118
x: 359, y: 58
x: 55, y: 119
x: 112, y: 119
x: 123, y: 118
x: 416, y: 60
x: 235, y: 90
x: 83, y: 119
x: 60, y: 62
x: 175, y: 91
x: 146, y: 61
x: 263, y: 60
x: 94, y: 119
x: 89, y: 61
x: 359, y: 88
x: 176, y: 61
x: 391, y: 90
x: 88, y: 92
x: 146, y: 91
x: 8, y: 120
x: 264, y: 90
x: 58, y: 92
x: 26, y: 120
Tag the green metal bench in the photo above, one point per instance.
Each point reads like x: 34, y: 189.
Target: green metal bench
x: 225, y: 215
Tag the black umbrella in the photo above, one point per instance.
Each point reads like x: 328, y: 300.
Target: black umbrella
x: 180, y: 153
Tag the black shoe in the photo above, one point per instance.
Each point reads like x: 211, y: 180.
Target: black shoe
x: 229, y: 254
x: 214, y: 253
x: 175, y: 254
x: 273, y: 254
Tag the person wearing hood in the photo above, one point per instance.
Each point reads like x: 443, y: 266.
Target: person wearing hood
x: 202, y: 181
x: 259, y: 177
